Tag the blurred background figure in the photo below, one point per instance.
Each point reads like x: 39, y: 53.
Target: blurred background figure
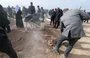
x: 42, y: 14
x: 31, y: 9
x: 58, y: 17
x: 4, y: 22
x: 19, y: 21
x: 10, y: 12
x: 24, y: 11
x: 38, y: 9
x: 51, y: 12
x: 52, y: 17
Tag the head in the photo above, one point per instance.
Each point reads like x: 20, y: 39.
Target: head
x: 41, y: 7
x: 56, y: 9
x: 31, y: 3
x: 38, y: 6
x: 8, y: 6
x: 52, y: 9
x: 84, y: 10
x: 65, y: 10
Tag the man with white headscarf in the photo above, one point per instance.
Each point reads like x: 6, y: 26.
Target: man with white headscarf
x: 17, y: 8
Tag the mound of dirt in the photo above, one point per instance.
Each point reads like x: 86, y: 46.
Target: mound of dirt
x: 50, y: 35
x: 37, y: 43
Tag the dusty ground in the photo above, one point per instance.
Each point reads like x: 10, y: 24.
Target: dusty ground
x: 37, y: 43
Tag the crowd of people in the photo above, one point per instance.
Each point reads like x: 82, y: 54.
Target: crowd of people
x: 56, y: 14
x: 18, y: 14
x: 70, y: 22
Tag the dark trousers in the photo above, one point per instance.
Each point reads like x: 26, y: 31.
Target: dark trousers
x: 6, y: 47
x: 52, y: 22
x: 71, y: 41
x: 86, y: 20
x: 56, y: 24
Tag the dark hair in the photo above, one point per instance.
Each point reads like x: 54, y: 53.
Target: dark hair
x: 38, y: 6
x: 42, y: 7
x: 31, y: 2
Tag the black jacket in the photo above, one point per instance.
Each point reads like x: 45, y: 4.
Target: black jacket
x: 3, y: 18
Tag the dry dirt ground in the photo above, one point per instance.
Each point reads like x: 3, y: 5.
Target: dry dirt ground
x: 38, y: 42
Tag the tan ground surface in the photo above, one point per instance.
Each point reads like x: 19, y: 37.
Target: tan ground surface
x: 37, y: 43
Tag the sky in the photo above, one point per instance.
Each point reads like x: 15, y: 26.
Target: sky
x: 49, y: 4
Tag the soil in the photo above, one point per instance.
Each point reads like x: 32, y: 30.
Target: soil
x: 38, y: 42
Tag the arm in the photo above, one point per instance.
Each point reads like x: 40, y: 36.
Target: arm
x: 62, y: 27
x: 84, y: 15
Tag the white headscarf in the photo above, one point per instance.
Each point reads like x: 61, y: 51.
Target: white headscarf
x: 17, y: 8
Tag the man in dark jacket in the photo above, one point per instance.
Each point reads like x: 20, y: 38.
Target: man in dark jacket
x: 5, y: 44
x: 50, y: 12
x: 31, y: 9
x: 57, y: 18
x: 53, y: 17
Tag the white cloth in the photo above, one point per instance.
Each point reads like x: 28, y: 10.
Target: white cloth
x: 17, y: 8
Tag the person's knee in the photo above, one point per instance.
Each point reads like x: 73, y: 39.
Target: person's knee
x: 63, y: 37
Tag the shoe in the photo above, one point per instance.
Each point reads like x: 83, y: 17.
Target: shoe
x: 55, y: 50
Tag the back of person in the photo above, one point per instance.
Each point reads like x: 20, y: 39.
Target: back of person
x: 53, y: 15
x: 73, y: 22
x: 3, y: 18
x: 58, y: 15
x: 51, y: 12
x: 31, y: 9
x: 71, y: 17
x: 39, y: 10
